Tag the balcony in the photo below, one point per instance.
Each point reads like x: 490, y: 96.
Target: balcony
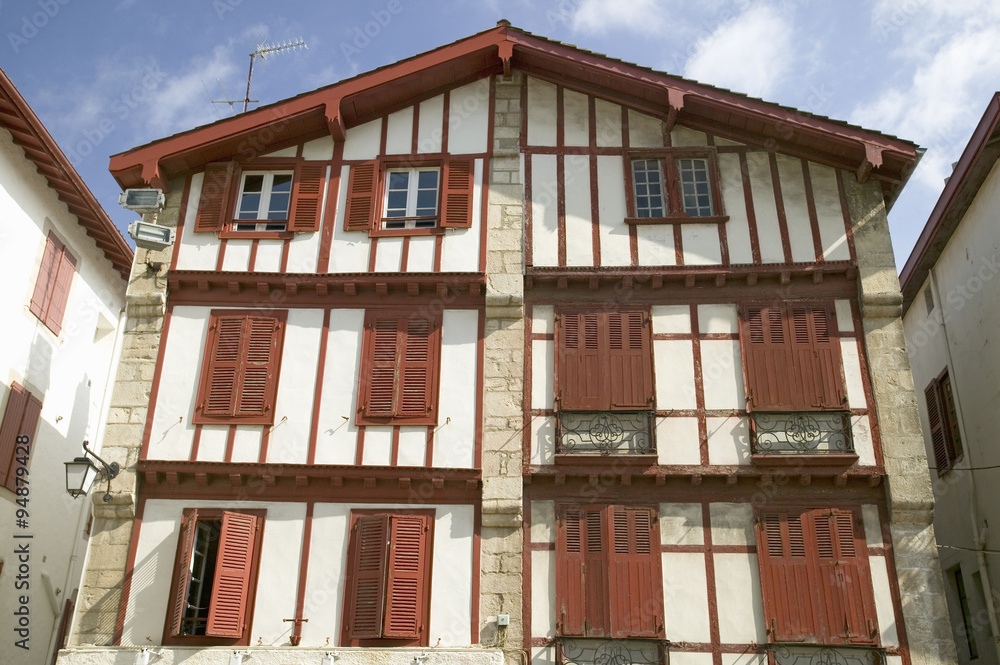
x: 787, y: 654
x: 811, y: 437
x: 582, y: 651
x: 595, y: 434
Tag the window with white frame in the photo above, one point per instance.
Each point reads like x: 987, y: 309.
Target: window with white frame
x: 263, y: 201
x: 411, y: 198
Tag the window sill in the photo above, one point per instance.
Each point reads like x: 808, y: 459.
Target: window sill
x: 677, y: 219
x: 579, y: 459
x: 372, y: 421
x: 805, y: 460
x: 201, y: 419
x: 396, y: 233
x: 257, y: 235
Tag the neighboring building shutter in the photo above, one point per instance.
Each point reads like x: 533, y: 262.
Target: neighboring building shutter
x: 408, y: 568
x: 580, y: 376
x: 361, y: 197
x: 19, y: 418
x: 366, y: 600
x: 456, y: 199
x: 936, y: 423
x: 55, y: 277
x: 214, y: 196
x: 183, y: 571
x: 629, y: 351
x: 307, y: 196
x: 635, y: 588
x: 233, y: 567
x: 950, y: 412
x: 399, y: 377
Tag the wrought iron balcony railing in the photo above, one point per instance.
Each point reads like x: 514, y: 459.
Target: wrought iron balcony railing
x: 801, y: 433
x: 787, y: 654
x: 584, y: 651
x: 605, y: 433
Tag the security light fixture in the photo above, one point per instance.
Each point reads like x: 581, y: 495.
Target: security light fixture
x: 142, y: 200
x: 151, y: 236
x: 82, y: 472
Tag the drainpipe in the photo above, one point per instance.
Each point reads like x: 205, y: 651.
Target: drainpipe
x: 979, y: 534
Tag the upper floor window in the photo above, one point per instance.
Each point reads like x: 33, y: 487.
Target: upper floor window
x: 942, y: 417
x: 671, y: 185
x: 55, y: 276
x: 409, y: 197
x: 264, y: 196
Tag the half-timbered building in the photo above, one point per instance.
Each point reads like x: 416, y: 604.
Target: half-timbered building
x: 514, y: 350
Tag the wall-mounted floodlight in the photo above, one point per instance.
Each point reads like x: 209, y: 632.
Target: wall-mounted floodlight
x: 151, y: 236
x: 142, y: 200
x: 82, y: 472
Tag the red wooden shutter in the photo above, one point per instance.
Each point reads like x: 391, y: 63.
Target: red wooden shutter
x: 383, y: 339
x: 259, y: 375
x: 365, y: 603
x: 60, y: 291
x: 936, y: 423
x: 46, y: 279
x: 786, y: 579
x: 182, y: 574
x: 571, y: 545
x: 767, y: 356
x: 456, y: 200
x: 361, y: 197
x: 580, y: 374
x: 231, y: 588
x: 415, y: 369
x: 19, y: 418
x: 214, y: 196
x: 224, y: 365
x: 307, y: 196
x: 408, y: 568
x: 635, y: 586
x: 630, y: 360
x: 845, y: 599
x: 816, y: 352
x: 950, y: 412
x: 399, y: 375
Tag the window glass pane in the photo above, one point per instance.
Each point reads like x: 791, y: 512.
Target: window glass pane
x: 282, y: 182
x: 426, y: 202
x: 395, y: 225
x: 396, y: 204
x: 253, y: 183
x: 647, y: 183
x: 399, y: 180
x: 249, y: 204
x: 278, y: 207
x: 427, y: 180
x: 202, y: 574
x: 695, y: 187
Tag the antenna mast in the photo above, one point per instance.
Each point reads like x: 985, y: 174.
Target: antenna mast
x: 263, y: 51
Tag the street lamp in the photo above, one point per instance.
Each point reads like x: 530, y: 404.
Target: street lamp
x: 82, y: 472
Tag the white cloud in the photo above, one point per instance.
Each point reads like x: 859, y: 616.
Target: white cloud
x: 750, y: 53
x: 179, y: 100
x: 598, y: 16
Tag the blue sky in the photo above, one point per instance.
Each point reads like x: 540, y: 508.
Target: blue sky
x: 105, y: 76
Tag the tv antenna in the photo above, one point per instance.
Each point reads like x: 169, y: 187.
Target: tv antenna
x: 225, y: 98
x: 263, y: 51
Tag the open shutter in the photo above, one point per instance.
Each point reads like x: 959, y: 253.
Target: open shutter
x: 950, y: 416
x: 46, y: 279
x: 214, y: 196
x: 258, y: 375
x: 456, y: 199
x: 60, y: 291
x: 307, y: 196
x: 408, y: 583
x: 366, y: 579
x: 635, y: 589
x: 630, y: 357
x: 816, y: 353
x: 786, y: 579
x: 361, y: 197
x: 183, y: 572
x: 223, y: 366
x: 415, y: 369
x: 845, y: 599
x: 936, y: 423
x: 581, y: 370
x: 231, y: 588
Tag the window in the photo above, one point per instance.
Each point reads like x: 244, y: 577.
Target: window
x: 280, y: 198
x: 264, y: 196
x: 55, y: 276
x: 410, y: 196
x: 399, y: 371
x: 942, y: 417
x: 674, y: 185
x: 608, y: 577
x: 604, y: 360
x: 815, y: 578
x: 215, y: 576
x: 20, y: 418
x: 387, y: 596
x: 239, y: 376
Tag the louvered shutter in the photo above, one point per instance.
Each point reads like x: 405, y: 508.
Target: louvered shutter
x: 581, y: 372
x: 383, y: 339
x: 399, y: 378
x: 365, y: 603
x: 28, y: 427
x: 307, y: 196
x: 10, y: 428
x: 936, y: 423
x: 224, y: 366
x: 361, y: 197
x: 950, y: 414
x: 816, y: 354
x: 60, y: 291
x: 845, y: 600
x: 768, y: 357
x: 415, y: 369
x: 408, y: 567
x: 456, y: 199
x: 787, y: 580
x: 630, y: 356
x: 258, y: 375
x: 581, y: 578
x: 47, y: 272
x: 214, y: 196
x: 635, y: 587
x: 231, y: 588
x: 182, y: 574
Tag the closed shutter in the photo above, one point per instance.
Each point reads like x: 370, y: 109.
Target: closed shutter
x: 629, y: 353
x: 950, y: 412
x: 383, y: 337
x: 182, y: 574
x: 456, y: 199
x: 407, y: 584
x: 214, y: 196
x: 635, y: 589
x: 231, y: 587
x: 366, y: 581
x: 936, y: 423
x: 787, y: 579
x: 307, y: 196
x: 361, y: 197
x: 60, y: 291
x: 46, y: 279
x: 259, y: 372
x: 224, y: 366
x: 816, y: 354
x: 399, y: 376
x: 415, y: 370
x: 581, y: 572
x: 20, y: 418
x: 580, y: 374
x: 845, y: 594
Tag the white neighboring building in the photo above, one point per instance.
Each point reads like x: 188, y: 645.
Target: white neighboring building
x: 66, y: 268
x: 951, y: 305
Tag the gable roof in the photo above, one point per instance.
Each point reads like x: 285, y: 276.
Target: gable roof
x: 966, y: 178
x: 333, y: 108
x: 30, y: 134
